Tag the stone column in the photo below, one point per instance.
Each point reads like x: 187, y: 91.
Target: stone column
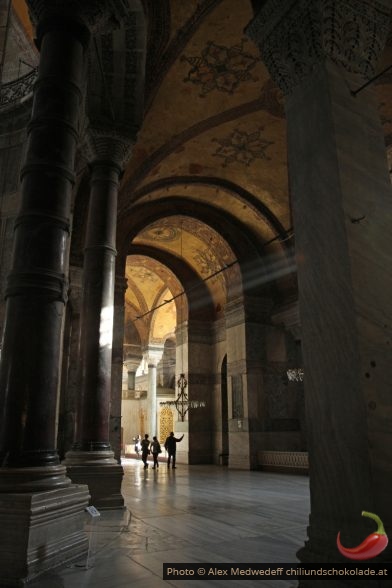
x: 92, y: 460
x: 131, y: 380
x: 32, y: 481
x: 319, y: 53
x: 69, y: 387
x: 132, y: 364
x: 117, y: 361
x: 194, y: 356
x: 153, y: 355
x: 246, y: 332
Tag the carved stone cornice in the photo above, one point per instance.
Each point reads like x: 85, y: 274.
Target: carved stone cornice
x: 296, y: 36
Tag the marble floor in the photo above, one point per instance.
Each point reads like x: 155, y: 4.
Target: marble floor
x: 192, y: 514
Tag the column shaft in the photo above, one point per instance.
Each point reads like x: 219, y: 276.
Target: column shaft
x: 343, y: 300
x: 152, y: 399
x: 117, y: 360
x: 37, y: 284
x: 342, y: 211
x: 131, y: 380
x: 97, y: 309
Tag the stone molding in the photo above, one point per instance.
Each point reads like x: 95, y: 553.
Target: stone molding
x: 296, y: 36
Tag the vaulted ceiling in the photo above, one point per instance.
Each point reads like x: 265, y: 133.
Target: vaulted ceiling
x: 206, y: 188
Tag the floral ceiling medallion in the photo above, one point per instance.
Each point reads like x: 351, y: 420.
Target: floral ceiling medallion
x: 242, y: 147
x: 220, y: 68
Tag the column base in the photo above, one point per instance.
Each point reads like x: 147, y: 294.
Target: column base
x: 33, y: 479
x: 40, y: 531
x: 101, y: 472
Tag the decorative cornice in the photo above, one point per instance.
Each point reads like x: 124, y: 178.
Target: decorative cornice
x: 295, y: 36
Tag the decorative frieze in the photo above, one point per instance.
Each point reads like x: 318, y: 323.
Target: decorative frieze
x: 295, y: 36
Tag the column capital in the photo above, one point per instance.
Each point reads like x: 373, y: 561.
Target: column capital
x: 132, y: 363
x: 153, y: 354
x: 95, y: 15
x: 109, y: 145
x: 296, y: 36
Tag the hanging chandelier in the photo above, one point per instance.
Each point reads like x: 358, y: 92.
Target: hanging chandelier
x: 182, y: 403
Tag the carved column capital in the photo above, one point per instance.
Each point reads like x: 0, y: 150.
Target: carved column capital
x: 108, y: 145
x: 95, y: 15
x: 295, y: 36
x: 153, y: 354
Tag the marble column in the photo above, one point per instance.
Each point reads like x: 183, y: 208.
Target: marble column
x: 153, y: 356
x: 247, y: 329
x: 342, y: 213
x: 194, y: 357
x: 132, y: 364
x: 92, y: 459
x: 117, y: 361
x: 32, y: 481
x: 131, y: 380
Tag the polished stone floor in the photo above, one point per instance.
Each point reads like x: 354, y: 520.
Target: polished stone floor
x: 198, y: 514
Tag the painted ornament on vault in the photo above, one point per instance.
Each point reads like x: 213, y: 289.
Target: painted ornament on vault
x: 220, y: 68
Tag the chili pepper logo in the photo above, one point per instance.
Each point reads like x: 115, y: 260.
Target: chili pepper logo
x: 370, y: 547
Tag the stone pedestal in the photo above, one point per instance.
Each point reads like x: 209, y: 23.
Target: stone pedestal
x: 101, y: 472
x: 40, y: 531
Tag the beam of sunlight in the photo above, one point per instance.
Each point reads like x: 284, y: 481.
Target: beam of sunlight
x: 106, y: 327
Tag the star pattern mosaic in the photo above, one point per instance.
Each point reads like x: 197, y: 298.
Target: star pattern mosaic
x: 242, y: 147
x: 220, y: 68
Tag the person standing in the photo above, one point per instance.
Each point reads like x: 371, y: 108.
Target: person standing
x: 145, y: 450
x: 171, y: 447
x: 137, y: 441
x: 155, y: 450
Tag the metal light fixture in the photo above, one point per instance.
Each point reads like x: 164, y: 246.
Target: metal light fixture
x: 182, y: 403
x: 295, y: 374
